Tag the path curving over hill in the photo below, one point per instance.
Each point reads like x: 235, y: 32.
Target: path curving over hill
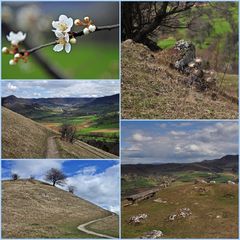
x: 83, y: 226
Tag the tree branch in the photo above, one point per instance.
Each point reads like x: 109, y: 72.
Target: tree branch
x: 74, y: 34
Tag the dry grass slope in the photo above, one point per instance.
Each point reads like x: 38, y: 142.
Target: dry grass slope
x: 151, y: 89
x: 32, y: 209
x: 218, y: 200
x: 22, y: 137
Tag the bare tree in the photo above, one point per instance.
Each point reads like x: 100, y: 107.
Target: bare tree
x: 141, y: 20
x: 68, y: 132
x: 15, y: 176
x: 71, y: 189
x: 55, y: 176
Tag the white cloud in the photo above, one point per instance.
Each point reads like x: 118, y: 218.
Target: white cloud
x: 11, y: 87
x: 140, y: 137
x: 101, y: 189
x: 196, y: 144
x: 26, y: 168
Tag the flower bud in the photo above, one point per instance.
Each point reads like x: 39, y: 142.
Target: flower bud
x: 86, y: 31
x: 12, y: 62
x: 73, y: 40
x: 77, y: 22
x: 17, y: 55
x: 92, y: 28
x: 5, y: 50
x: 86, y: 19
x: 15, y: 43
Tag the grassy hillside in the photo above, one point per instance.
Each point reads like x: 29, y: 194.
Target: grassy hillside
x: 214, y: 210
x: 32, y: 209
x: 152, y: 89
x: 22, y: 137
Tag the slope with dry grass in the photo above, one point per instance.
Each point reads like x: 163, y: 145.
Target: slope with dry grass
x: 22, y: 137
x: 33, y: 209
x: 152, y: 89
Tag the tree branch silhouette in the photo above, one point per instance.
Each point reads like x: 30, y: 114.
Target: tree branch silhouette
x: 73, y: 34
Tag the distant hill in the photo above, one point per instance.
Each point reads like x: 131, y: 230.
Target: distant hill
x: 228, y: 163
x: 37, y: 107
x: 24, y: 138
x: 33, y: 209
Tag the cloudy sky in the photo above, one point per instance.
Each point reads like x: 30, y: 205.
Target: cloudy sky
x: 163, y: 142
x: 96, y: 181
x: 60, y: 88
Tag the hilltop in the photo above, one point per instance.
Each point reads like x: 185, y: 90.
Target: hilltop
x: 25, y: 138
x: 33, y: 209
x: 152, y: 88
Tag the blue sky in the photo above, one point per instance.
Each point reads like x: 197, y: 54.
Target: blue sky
x: 60, y: 88
x: 177, y: 141
x: 95, y: 180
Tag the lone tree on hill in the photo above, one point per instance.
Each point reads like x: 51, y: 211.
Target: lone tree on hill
x: 68, y: 132
x: 55, y: 176
x: 15, y: 176
x: 71, y: 189
x: 141, y: 20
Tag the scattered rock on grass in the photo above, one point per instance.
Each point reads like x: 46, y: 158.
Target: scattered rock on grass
x: 138, y: 218
x: 159, y: 200
x: 182, y: 213
x: 153, y: 234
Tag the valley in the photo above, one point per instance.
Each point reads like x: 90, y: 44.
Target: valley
x: 95, y: 120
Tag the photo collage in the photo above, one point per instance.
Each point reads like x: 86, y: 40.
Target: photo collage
x: 119, y: 119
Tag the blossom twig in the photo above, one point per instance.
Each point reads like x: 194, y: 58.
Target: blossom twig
x: 75, y: 34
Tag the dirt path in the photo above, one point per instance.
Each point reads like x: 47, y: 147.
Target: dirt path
x: 52, y: 151
x: 82, y: 228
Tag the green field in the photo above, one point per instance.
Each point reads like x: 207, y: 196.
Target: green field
x: 85, y: 61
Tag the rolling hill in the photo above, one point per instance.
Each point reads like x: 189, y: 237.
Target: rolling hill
x: 36, y: 108
x: 227, y: 163
x: 33, y: 209
x: 24, y: 138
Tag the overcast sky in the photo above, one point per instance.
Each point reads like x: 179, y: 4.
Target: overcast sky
x: 164, y: 142
x: 60, y: 88
x: 96, y: 181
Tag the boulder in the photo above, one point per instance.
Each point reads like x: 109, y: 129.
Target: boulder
x: 137, y: 219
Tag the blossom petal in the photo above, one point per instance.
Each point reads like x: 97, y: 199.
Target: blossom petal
x: 58, y: 48
x: 66, y: 37
x: 58, y: 34
x: 69, y: 22
x: 63, y: 18
x: 55, y: 24
x: 68, y: 47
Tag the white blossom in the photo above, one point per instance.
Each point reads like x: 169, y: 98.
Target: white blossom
x: 15, y: 38
x: 63, y: 42
x: 92, y: 28
x: 86, y: 31
x: 64, y: 24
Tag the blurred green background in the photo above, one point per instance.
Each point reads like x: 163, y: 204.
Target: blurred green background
x: 94, y: 56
